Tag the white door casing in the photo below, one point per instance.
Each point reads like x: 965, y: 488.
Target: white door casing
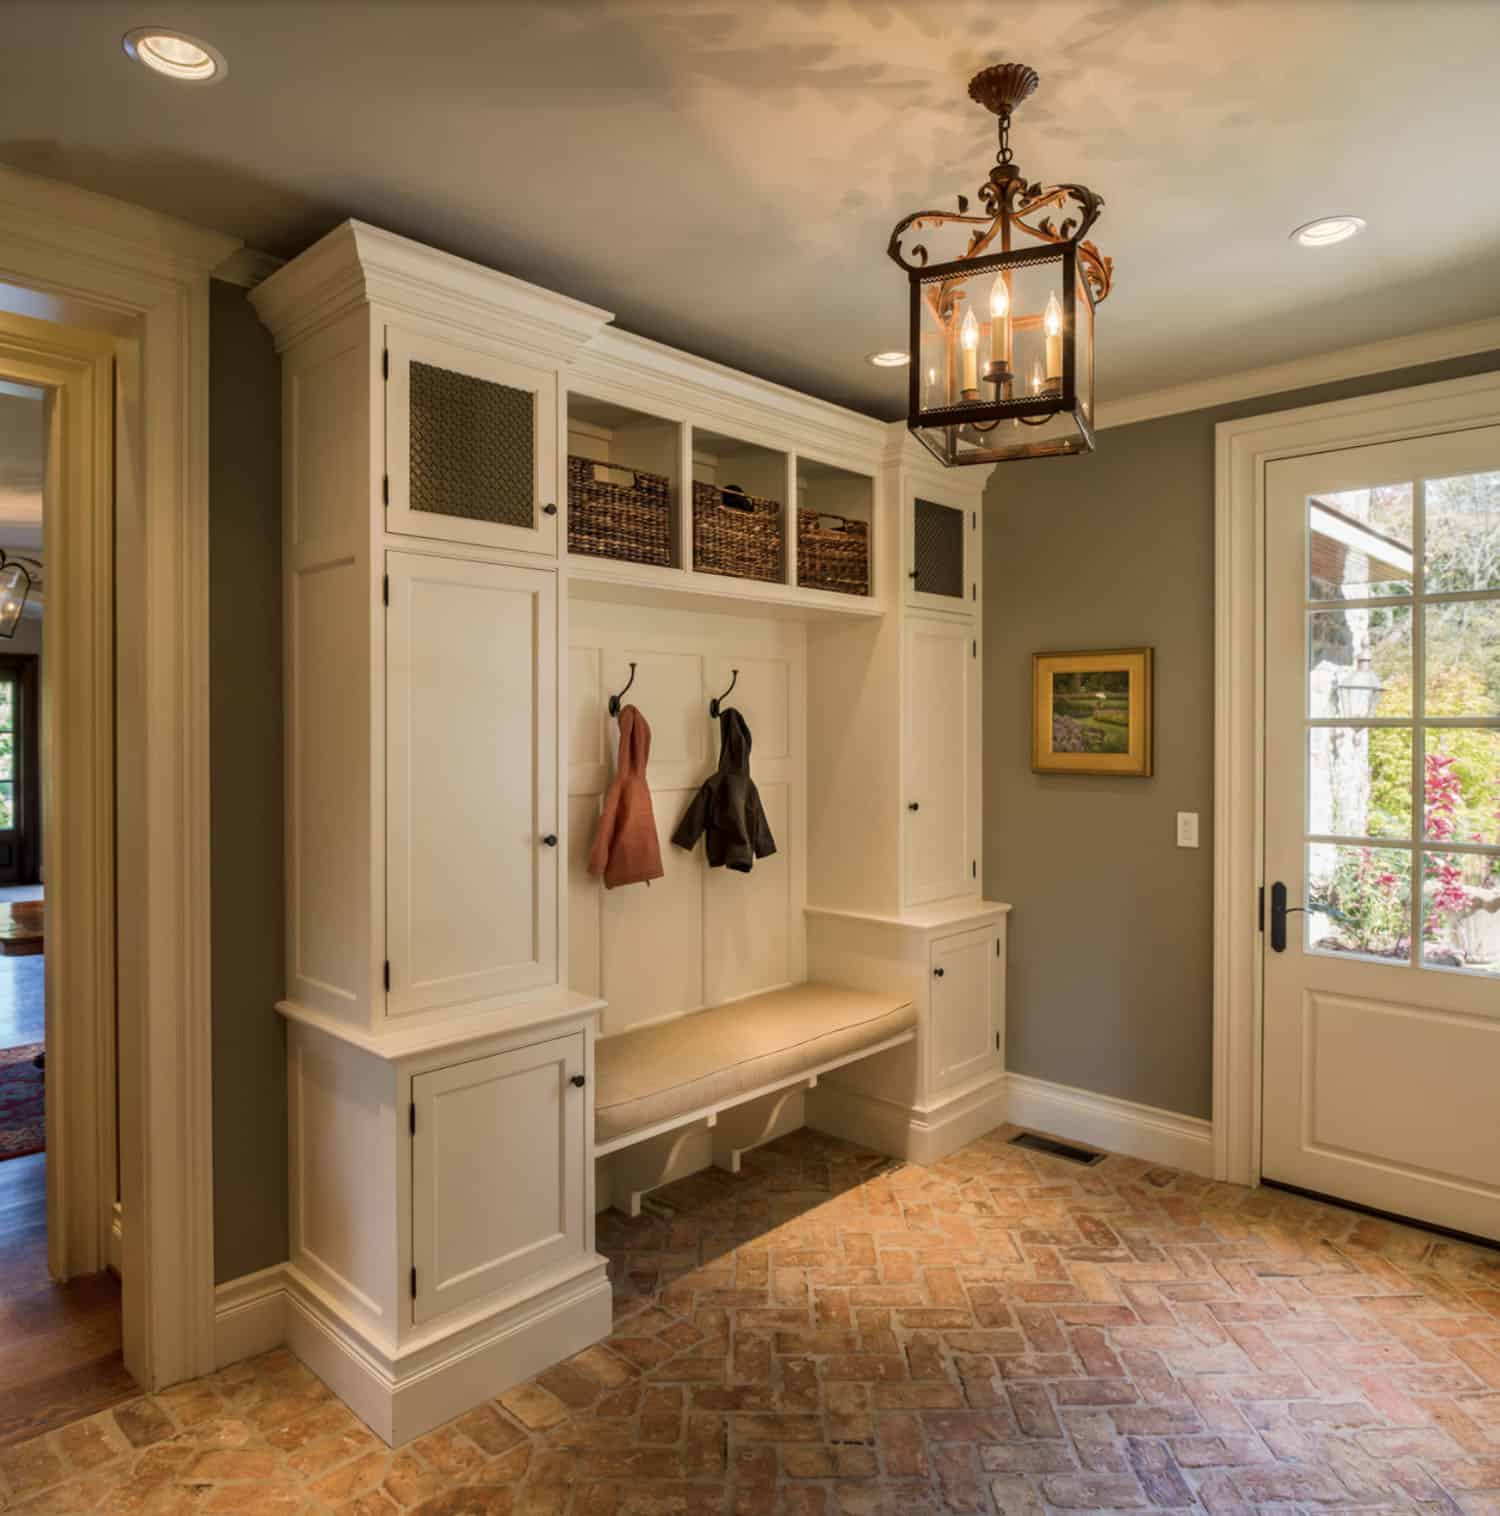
x: 1244, y: 449
x: 471, y: 787
x: 469, y: 434
x: 510, y: 1127
x: 1382, y: 1011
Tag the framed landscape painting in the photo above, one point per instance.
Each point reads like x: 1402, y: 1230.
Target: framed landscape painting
x: 1091, y: 712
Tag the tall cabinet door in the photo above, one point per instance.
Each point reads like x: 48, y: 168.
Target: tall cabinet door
x: 941, y: 760
x: 497, y: 1172
x: 471, y: 780
x: 471, y: 445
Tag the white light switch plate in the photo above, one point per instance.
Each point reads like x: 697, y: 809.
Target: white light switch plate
x: 1187, y: 829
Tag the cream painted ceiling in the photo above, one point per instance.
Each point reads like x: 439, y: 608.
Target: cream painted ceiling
x: 724, y: 176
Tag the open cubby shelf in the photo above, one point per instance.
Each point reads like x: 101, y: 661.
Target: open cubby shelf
x: 659, y: 506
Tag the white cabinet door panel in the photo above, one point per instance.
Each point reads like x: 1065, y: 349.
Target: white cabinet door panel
x: 471, y: 786
x: 941, y: 760
x: 497, y: 1172
x: 966, y: 1007
x: 471, y: 445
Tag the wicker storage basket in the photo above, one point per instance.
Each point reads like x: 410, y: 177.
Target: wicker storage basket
x: 611, y: 518
x: 736, y: 534
x: 833, y: 553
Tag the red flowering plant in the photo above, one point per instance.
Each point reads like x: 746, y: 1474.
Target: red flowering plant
x: 1442, y: 875
x: 1366, y: 896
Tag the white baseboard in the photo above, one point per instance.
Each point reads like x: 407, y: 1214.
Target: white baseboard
x: 919, y: 1135
x: 403, y: 1395
x: 249, y: 1315
x: 1118, y: 1126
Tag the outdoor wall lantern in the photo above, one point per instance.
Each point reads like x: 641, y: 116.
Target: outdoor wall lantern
x: 1359, y: 693
x: 1002, y: 335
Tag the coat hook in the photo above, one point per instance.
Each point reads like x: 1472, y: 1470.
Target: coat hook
x: 713, y: 705
x: 614, y: 700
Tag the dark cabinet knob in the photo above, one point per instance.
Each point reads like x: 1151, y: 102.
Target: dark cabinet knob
x: 913, y: 806
x: 578, y: 1081
x: 937, y: 973
x: 911, y: 573
x: 549, y: 509
x: 550, y: 839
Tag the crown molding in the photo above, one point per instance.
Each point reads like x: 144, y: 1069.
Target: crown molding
x: 357, y: 263
x: 247, y: 267
x: 47, y: 212
x: 1304, y: 373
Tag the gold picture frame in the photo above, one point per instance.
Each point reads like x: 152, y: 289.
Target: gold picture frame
x: 1091, y: 713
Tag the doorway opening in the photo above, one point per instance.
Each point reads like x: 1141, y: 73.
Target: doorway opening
x: 61, y: 1354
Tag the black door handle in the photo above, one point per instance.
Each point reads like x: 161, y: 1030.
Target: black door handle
x: 938, y: 973
x: 578, y: 1081
x: 550, y: 840
x: 1280, y: 910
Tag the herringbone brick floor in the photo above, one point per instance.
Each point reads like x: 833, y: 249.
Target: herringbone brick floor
x: 831, y: 1334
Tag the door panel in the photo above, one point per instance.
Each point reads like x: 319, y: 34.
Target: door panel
x: 482, y: 1219
x: 471, y: 732
x: 965, y: 1006
x: 941, y: 769
x: 940, y: 567
x: 471, y: 445
x: 1382, y: 982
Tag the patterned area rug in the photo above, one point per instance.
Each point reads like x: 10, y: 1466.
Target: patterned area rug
x: 23, y: 1127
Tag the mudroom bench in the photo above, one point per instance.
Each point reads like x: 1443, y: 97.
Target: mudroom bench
x: 715, y: 1068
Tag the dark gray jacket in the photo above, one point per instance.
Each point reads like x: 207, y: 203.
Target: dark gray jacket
x: 727, y: 808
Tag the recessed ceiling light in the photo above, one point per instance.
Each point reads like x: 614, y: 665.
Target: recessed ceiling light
x: 890, y: 360
x: 1327, y: 230
x: 175, y: 54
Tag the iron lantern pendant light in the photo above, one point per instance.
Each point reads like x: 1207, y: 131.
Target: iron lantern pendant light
x: 1002, y: 336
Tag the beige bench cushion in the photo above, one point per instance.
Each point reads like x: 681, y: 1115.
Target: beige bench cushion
x: 645, y: 1077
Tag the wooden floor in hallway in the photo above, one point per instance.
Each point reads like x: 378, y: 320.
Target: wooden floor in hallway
x: 60, y: 1354
x: 834, y: 1334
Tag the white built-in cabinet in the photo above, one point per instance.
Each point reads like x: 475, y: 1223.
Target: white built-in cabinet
x: 471, y: 780
x: 440, y: 1065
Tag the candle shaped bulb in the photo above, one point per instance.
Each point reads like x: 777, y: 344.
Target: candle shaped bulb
x: 1000, y: 322
x: 1052, y: 324
x: 968, y: 337
x: 1036, y: 377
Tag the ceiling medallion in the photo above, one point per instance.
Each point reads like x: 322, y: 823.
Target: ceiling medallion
x: 1002, y: 335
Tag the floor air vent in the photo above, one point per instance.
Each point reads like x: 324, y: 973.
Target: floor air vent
x: 1055, y: 1149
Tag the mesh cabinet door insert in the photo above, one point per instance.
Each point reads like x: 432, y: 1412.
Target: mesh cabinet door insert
x: 937, y: 553
x: 470, y: 445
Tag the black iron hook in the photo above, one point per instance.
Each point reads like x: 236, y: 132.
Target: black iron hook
x: 614, y: 700
x: 713, y: 705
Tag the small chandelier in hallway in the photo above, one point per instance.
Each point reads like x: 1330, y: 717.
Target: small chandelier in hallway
x: 1002, y: 335
x: 16, y: 580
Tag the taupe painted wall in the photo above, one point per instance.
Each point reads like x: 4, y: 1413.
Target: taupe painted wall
x: 1111, y: 968
x: 249, y: 1045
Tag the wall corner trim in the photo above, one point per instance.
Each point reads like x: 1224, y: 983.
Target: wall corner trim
x: 247, y: 266
x: 1119, y: 1126
x: 249, y: 1315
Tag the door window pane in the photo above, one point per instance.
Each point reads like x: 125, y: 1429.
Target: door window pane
x: 1359, y: 901
x: 1359, y: 543
x: 1463, y: 658
x: 1461, y: 785
x: 1359, y: 781
x: 7, y: 805
x: 1359, y: 662
x: 1461, y: 912
x: 1462, y: 548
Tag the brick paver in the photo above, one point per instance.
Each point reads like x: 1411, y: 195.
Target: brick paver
x: 832, y: 1334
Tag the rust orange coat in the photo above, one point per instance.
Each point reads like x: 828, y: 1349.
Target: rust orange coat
x: 626, y: 849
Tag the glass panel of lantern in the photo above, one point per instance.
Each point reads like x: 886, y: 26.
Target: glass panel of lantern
x: 1006, y: 356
